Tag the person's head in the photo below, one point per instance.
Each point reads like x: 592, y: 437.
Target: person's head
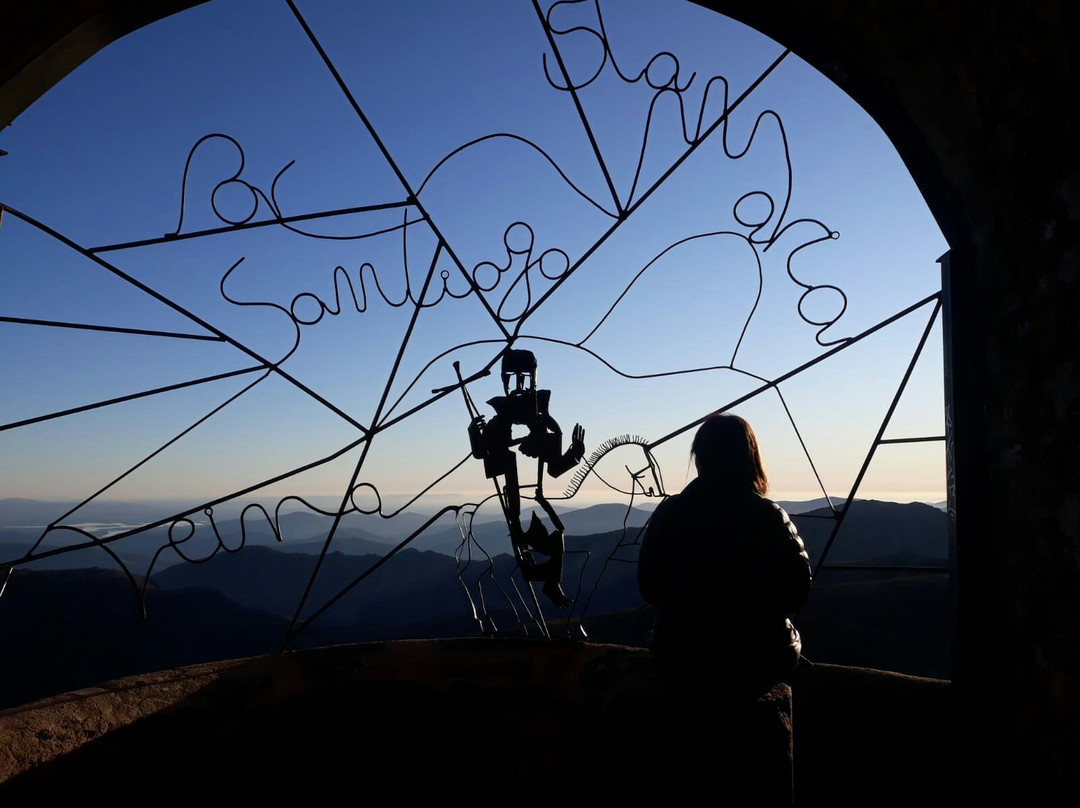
x: 725, y: 450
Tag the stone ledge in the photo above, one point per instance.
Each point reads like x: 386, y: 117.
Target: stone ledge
x: 41, y: 731
x: 224, y: 692
x: 527, y: 720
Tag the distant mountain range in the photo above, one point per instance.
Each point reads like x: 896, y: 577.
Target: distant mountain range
x: 71, y: 628
x: 870, y: 529
x: 301, y: 531
x: 32, y: 512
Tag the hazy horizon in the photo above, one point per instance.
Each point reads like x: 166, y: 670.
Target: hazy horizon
x: 783, y: 233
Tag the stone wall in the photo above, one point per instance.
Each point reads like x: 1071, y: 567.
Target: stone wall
x: 980, y: 100
x: 527, y: 721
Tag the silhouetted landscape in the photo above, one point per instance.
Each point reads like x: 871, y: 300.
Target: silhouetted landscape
x: 72, y: 620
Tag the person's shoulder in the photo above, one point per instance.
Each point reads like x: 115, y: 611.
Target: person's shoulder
x: 770, y: 510
x: 666, y: 506
x: 763, y: 503
x: 774, y: 507
x: 670, y: 511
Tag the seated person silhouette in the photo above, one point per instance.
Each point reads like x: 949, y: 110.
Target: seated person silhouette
x: 726, y: 569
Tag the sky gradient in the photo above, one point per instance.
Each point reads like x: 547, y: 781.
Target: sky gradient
x: 101, y: 160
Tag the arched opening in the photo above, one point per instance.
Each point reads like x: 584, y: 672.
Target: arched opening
x: 751, y: 284
x: 963, y: 98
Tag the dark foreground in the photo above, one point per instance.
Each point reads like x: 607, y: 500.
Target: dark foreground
x: 528, y: 722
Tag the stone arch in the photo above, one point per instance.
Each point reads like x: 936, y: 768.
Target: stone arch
x: 974, y: 99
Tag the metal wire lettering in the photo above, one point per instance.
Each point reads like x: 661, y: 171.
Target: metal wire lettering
x: 511, y: 287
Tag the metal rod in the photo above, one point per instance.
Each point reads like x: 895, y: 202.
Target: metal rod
x: 178, y: 308
x: 295, y: 629
x: 932, y: 438
x: 881, y: 430
x: 158, y: 451
x: 214, y: 231
x: 182, y: 514
x: 629, y: 211
x: 806, y: 451
x: 440, y: 393
x: 391, y: 162
x: 131, y: 397
x: 110, y: 328
x: 715, y: 125
x: 801, y: 368
x: 367, y: 446
x: 580, y: 109
x: 882, y: 568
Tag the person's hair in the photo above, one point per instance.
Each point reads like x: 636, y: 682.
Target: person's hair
x: 725, y: 449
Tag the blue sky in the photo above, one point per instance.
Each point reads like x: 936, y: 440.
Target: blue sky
x: 101, y: 159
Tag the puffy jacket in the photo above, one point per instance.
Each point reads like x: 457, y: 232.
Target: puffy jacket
x: 725, y: 570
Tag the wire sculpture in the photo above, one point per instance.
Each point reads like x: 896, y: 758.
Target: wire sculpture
x: 493, y: 441
x: 510, y: 287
